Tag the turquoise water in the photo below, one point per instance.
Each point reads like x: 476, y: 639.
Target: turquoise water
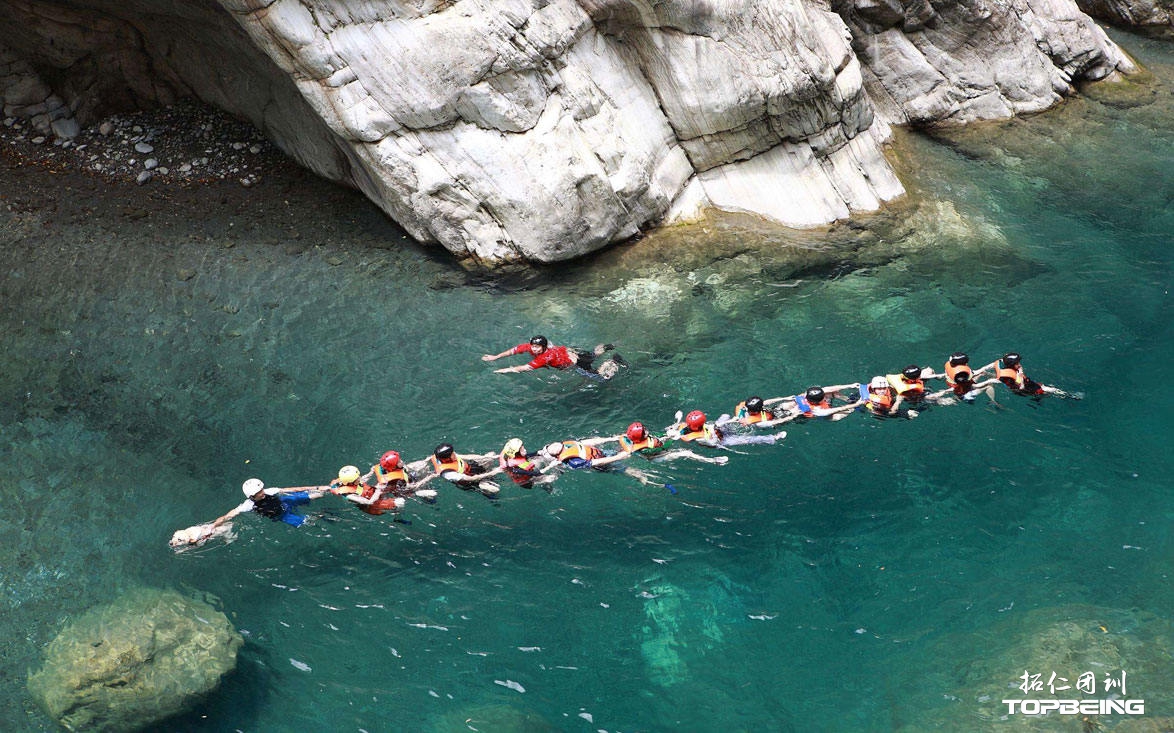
x: 859, y: 576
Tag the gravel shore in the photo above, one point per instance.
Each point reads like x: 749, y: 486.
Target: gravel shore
x: 185, y: 143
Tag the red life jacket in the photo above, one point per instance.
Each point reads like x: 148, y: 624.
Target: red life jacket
x: 521, y: 470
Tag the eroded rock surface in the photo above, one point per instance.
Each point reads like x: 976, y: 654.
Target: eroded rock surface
x: 541, y: 130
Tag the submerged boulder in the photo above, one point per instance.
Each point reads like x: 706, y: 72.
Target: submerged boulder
x: 147, y: 656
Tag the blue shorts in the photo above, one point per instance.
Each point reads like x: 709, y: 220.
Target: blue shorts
x: 288, y: 502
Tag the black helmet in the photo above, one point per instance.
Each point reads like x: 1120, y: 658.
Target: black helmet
x: 443, y: 451
x: 754, y: 404
x: 539, y: 341
x: 963, y: 376
x: 911, y: 372
x: 958, y: 358
x: 1011, y: 359
x: 815, y: 394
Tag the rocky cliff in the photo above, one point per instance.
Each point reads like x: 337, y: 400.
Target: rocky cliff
x: 540, y: 130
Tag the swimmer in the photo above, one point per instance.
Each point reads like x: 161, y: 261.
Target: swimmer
x: 392, y: 479
x: 753, y: 414
x: 960, y: 382
x: 276, y: 504
x: 522, y: 468
x: 464, y: 470
x: 695, y: 429
x: 561, y: 357
x: 818, y: 402
x: 882, y: 400
x: 1009, y: 371
x: 577, y: 454
x: 357, y: 491
x: 910, y: 383
x: 636, y: 440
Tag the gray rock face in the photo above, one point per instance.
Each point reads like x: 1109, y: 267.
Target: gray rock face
x: 544, y: 129
x: 1145, y: 14
x: 150, y: 655
x: 964, y: 60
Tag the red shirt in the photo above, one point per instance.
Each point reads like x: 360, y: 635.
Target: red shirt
x: 554, y: 356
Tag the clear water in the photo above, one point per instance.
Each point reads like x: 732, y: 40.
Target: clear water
x: 860, y: 576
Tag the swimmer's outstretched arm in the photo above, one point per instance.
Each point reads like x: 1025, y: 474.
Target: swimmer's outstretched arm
x: 983, y: 369
x: 599, y: 441
x: 777, y: 400
x: 605, y: 460
x: 672, y: 455
x: 841, y: 387
x: 518, y: 368
x: 495, y: 357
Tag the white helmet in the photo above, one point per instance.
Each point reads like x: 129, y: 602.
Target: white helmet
x: 252, y: 486
x: 878, y: 383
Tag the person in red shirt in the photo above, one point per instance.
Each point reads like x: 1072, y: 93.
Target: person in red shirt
x: 559, y: 357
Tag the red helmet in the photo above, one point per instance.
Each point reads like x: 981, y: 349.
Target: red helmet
x: 695, y: 420
x: 636, y: 431
x: 389, y: 461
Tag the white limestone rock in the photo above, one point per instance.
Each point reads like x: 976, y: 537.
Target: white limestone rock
x: 541, y: 130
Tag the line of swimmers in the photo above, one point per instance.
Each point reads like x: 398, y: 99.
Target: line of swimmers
x: 388, y: 484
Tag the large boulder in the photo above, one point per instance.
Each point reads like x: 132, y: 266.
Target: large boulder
x: 147, y: 656
x: 541, y: 130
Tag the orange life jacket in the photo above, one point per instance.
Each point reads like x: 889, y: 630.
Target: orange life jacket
x: 629, y: 446
x: 880, y: 403
x: 905, y: 387
x: 575, y: 449
x: 749, y: 418
x: 952, y: 373
x: 707, y: 432
x: 456, y: 463
x: 389, y: 477
x: 1014, y: 378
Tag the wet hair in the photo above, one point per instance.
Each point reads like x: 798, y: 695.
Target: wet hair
x: 444, y: 450
x: 958, y: 358
x: 911, y: 372
x: 964, y: 376
x: 754, y: 404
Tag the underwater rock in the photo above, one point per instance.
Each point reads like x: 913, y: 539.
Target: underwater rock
x: 147, y: 656
x: 673, y: 616
x: 1068, y: 641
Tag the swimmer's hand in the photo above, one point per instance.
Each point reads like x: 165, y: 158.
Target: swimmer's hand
x: 912, y: 414
x: 488, y: 357
x: 426, y: 493
x: 721, y: 460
